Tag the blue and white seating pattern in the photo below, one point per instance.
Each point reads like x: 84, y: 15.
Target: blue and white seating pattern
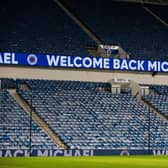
x: 15, y: 127
x: 85, y: 118
x: 160, y: 101
x: 160, y: 89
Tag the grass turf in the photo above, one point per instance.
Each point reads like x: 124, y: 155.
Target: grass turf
x: 86, y: 162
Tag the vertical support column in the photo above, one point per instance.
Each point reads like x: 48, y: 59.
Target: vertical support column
x: 30, y: 129
x: 149, y: 127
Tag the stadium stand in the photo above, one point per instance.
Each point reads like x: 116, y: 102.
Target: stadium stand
x: 160, y: 89
x: 15, y: 127
x: 125, y: 24
x: 160, y: 100
x: 85, y: 118
x: 46, y: 29
x: 83, y: 115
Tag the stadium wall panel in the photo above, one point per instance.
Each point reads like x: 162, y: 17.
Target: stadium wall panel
x: 80, y: 75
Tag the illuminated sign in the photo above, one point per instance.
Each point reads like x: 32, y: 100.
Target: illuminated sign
x: 100, y: 63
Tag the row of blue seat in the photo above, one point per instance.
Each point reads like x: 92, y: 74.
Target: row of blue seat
x: 160, y: 102
x: 82, y: 118
x: 86, y: 119
x: 160, y: 89
x: 125, y: 24
x: 37, y: 31
x: 15, y: 127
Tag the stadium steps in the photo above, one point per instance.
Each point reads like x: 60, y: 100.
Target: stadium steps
x: 153, y: 109
x: 36, y: 118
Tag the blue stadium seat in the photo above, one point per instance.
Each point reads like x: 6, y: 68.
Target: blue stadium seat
x: 46, y: 29
x: 85, y: 118
x: 15, y: 127
x: 125, y: 24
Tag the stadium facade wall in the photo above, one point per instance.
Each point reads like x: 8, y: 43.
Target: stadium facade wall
x: 81, y: 75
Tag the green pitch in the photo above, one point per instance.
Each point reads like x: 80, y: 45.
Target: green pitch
x: 86, y: 162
